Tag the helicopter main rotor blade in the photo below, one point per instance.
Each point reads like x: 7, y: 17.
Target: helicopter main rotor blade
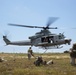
x: 24, y: 26
x: 51, y: 20
x: 32, y: 26
x: 52, y: 28
x: 66, y: 28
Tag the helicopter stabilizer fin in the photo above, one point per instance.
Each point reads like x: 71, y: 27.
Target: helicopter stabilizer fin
x: 6, y: 40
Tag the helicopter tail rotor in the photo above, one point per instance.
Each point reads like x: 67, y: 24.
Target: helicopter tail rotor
x: 5, y: 36
x: 6, y: 40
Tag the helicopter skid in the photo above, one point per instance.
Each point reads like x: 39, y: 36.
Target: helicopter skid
x: 52, y: 47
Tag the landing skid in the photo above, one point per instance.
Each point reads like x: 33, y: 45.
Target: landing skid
x: 59, y: 47
x: 52, y: 47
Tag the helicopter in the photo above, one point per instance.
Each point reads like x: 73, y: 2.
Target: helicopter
x: 43, y: 39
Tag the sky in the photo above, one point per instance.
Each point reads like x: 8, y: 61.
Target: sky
x: 36, y: 12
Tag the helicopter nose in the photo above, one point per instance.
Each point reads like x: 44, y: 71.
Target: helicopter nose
x: 68, y: 41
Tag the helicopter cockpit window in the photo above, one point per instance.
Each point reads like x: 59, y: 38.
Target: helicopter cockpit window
x: 60, y: 37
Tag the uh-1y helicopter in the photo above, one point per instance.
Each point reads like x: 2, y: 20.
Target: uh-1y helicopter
x: 44, y: 38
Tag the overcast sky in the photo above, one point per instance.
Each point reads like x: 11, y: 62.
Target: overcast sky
x: 36, y: 12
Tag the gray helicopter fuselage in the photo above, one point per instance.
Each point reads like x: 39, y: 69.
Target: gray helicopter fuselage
x: 46, y: 38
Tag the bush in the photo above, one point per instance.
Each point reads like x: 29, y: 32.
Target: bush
x: 66, y: 51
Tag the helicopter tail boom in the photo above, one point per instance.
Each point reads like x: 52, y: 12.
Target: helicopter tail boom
x: 20, y: 43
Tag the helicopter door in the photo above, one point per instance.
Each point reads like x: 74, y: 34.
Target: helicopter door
x: 47, y: 39
x: 44, y: 39
x: 51, y: 39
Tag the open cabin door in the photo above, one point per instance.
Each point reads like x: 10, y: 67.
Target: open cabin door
x: 49, y: 39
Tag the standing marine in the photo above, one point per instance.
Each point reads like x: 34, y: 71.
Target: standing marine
x: 73, y: 54
x: 30, y: 53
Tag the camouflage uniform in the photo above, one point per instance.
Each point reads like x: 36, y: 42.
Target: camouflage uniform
x: 72, y: 56
x: 30, y: 53
x: 39, y: 61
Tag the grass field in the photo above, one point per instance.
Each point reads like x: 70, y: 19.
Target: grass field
x: 18, y: 64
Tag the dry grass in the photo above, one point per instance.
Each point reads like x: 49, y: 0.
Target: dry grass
x: 18, y: 64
